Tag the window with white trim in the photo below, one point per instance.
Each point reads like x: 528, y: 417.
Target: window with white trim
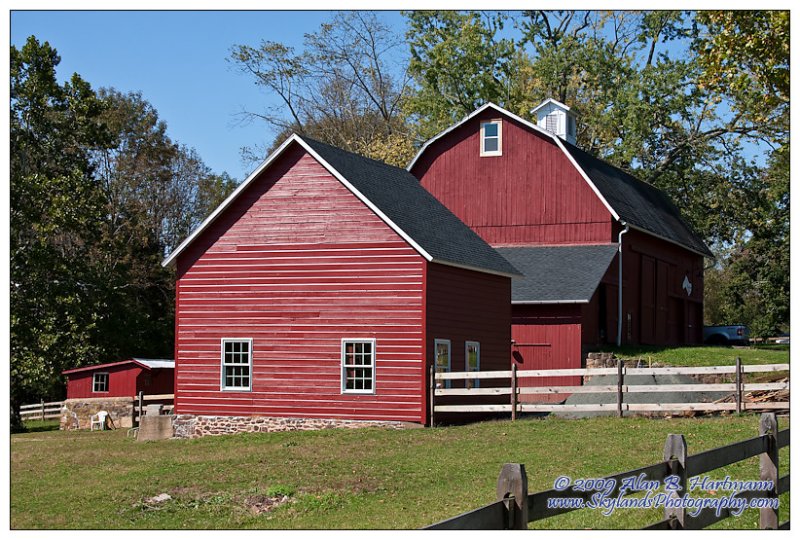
x: 472, y: 357
x: 442, y: 359
x: 492, y: 138
x: 100, y: 382
x: 358, y: 366
x: 237, y: 363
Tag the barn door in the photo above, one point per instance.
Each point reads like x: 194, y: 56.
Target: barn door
x: 648, y: 299
x: 662, y: 302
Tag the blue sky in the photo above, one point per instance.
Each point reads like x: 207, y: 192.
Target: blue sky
x: 177, y: 59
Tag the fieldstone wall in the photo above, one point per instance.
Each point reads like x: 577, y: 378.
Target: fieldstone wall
x: 77, y: 413
x: 188, y: 426
x: 596, y: 360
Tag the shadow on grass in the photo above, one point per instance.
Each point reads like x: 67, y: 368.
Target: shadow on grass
x: 37, y: 426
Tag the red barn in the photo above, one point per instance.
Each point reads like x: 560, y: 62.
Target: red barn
x: 121, y: 379
x: 560, y: 215
x: 320, y: 293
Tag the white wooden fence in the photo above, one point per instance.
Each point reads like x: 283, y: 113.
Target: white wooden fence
x: 41, y: 410
x: 514, y: 390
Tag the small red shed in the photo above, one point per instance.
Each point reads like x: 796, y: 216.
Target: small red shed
x: 125, y: 378
x: 322, y: 291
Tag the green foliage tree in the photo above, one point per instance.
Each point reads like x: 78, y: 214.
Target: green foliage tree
x: 99, y: 194
x: 55, y: 203
x: 458, y: 63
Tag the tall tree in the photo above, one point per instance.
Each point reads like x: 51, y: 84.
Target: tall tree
x: 346, y: 87
x: 458, y: 62
x: 55, y: 203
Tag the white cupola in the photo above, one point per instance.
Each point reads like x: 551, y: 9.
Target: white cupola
x: 555, y: 117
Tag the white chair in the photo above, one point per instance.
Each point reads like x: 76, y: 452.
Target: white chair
x: 99, y: 420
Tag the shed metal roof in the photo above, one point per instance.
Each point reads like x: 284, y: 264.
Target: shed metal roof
x: 143, y: 362
x: 557, y: 274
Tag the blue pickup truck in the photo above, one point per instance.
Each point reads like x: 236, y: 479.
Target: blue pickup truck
x: 735, y: 334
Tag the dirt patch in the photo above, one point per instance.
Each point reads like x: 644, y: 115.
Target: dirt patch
x: 258, y: 504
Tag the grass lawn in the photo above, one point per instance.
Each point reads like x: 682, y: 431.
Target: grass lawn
x: 362, y: 478
x: 705, y: 355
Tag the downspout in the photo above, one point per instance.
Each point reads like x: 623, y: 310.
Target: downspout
x: 619, y: 298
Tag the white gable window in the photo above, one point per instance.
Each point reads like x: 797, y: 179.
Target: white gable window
x: 442, y: 352
x: 472, y: 356
x: 492, y: 138
x: 358, y: 366
x: 237, y: 363
x: 100, y: 382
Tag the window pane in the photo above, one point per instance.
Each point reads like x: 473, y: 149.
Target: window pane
x: 490, y: 130
x: 490, y: 145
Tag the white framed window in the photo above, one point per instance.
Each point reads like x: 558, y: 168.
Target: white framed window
x: 441, y: 348
x: 492, y: 138
x: 100, y: 382
x: 472, y: 361
x: 237, y: 363
x: 358, y: 366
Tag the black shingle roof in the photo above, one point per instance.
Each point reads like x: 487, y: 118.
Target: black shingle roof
x: 554, y: 274
x: 400, y: 196
x: 640, y: 204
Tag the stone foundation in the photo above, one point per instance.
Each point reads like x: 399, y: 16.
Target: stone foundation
x: 77, y: 413
x: 596, y: 360
x: 189, y: 426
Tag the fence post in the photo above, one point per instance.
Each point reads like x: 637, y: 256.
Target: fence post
x: 432, y: 390
x: 675, y: 452
x: 42, y: 410
x: 512, y: 487
x: 619, y: 387
x: 768, y: 517
x: 513, y: 392
x: 141, y: 407
x: 738, y: 385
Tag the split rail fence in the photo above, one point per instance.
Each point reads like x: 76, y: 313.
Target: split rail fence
x: 515, y: 507
x: 513, y: 391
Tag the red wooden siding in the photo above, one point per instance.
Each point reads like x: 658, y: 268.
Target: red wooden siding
x: 121, y: 382
x: 462, y: 306
x: 547, y: 337
x: 532, y: 194
x: 124, y: 380
x: 298, y: 263
x: 661, y: 313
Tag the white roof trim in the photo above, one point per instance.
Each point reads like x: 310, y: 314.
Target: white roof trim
x: 294, y: 138
x: 586, y: 177
x: 548, y: 101
x: 183, y: 245
x: 363, y: 199
x: 530, y: 125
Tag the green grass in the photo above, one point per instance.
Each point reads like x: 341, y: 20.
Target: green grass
x: 363, y: 478
x: 33, y: 426
x: 704, y: 356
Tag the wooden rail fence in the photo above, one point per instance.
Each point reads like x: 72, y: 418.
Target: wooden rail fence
x: 46, y: 411
x: 514, y: 390
x: 142, y: 399
x: 515, y: 507
x: 41, y: 410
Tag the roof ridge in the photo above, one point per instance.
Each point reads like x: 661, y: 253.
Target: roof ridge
x: 355, y: 154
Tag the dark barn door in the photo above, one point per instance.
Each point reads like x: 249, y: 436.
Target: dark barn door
x: 648, y: 300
